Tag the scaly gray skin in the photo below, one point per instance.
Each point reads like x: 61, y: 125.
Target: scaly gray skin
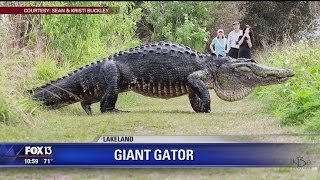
x: 161, y: 70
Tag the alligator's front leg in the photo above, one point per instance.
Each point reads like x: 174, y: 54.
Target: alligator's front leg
x: 199, y: 96
x: 194, y: 101
x: 87, y: 107
x: 109, y: 79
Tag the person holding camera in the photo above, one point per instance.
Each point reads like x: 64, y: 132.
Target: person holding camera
x: 245, y: 43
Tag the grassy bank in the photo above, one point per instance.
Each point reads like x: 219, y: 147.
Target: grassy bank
x: 297, y: 102
x: 150, y: 116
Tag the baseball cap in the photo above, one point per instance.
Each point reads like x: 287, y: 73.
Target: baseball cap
x: 220, y: 30
x: 236, y: 22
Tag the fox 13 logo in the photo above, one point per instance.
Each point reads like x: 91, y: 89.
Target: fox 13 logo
x: 38, y: 150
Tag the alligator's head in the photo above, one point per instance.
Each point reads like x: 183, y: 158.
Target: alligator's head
x: 234, y: 79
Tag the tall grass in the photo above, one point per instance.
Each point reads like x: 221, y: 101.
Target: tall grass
x: 4, y: 109
x: 296, y: 102
x: 15, y: 105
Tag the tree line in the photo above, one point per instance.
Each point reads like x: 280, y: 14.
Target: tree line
x: 79, y: 39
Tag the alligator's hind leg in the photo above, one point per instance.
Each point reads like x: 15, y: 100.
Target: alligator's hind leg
x: 199, y: 96
x: 109, y: 79
x: 87, y: 107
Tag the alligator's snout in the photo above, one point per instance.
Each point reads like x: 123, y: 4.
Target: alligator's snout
x: 290, y: 73
x: 284, y: 73
x: 265, y: 72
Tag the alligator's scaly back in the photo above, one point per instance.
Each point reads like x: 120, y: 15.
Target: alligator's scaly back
x: 158, y: 69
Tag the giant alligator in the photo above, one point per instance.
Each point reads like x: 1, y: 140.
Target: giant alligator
x: 161, y: 70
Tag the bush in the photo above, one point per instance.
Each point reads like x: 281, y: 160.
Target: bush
x: 45, y: 70
x: 82, y: 38
x: 184, y: 23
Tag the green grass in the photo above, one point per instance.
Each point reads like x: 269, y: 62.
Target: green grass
x: 150, y: 116
x: 163, y: 174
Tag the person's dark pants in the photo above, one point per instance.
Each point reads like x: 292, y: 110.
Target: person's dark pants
x: 233, y: 52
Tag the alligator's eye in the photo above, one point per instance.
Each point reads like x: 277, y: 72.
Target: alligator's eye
x: 243, y: 69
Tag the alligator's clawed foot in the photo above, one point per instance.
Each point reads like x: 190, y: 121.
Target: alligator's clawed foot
x: 207, y: 111
x: 204, y: 106
x: 116, y: 111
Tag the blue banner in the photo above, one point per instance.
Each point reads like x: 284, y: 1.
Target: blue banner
x: 158, y: 154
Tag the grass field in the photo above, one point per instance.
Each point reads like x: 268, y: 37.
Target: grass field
x: 151, y: 116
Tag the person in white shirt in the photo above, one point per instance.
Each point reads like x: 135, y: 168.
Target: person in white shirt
x: 233, y: 38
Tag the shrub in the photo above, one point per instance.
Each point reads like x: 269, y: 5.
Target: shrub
x: 83, y: 38
x: 183, y: 23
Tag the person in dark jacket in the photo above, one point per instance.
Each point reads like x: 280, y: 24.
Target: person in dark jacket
x: 245, y: 43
